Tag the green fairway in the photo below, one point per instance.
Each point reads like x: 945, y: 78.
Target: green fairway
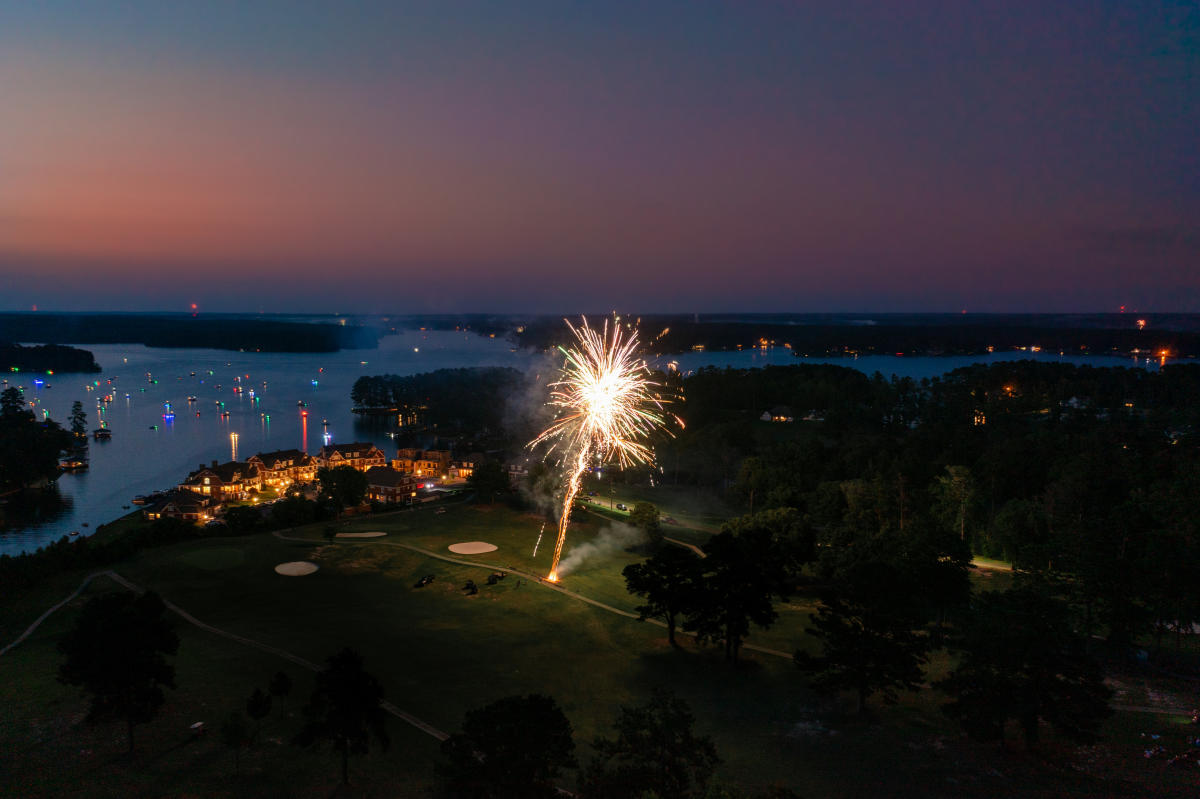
x: 439, y: 653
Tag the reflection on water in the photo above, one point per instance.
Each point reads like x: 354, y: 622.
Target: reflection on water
x: 37, y: 506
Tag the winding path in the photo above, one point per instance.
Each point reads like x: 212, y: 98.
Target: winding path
x: 424, y: 727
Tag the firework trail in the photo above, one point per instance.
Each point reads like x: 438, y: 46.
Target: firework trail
x: 607, y: 406
x: 539, y: 541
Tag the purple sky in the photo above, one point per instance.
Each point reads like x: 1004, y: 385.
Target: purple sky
x: 562, y: 157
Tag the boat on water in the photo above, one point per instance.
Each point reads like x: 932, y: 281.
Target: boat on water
x: 102, y: 434
x: 146, y: 499
x: 73, y: 464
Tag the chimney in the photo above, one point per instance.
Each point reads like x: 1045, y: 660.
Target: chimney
x: 214, y: 464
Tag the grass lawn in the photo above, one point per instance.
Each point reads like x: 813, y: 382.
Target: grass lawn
x: 439, y: 653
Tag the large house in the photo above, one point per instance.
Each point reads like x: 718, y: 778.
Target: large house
x: 284, y: 467
x: 388, y: 485
x: 178, y: 504
x: 360, y: 456
x: 462, y: 469
x: 422, y: 463
x: 226, y: 482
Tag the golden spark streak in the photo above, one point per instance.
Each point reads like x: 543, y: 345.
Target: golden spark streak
x: 607, y: 406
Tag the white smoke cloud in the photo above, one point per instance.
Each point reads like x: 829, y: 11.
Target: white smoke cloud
x: 610, y: 539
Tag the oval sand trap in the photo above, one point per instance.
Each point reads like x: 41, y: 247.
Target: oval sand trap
x: 296, y: 568
x: 472, y: 547
x: 361, y: 535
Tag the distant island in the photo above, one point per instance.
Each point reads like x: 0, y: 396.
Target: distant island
x: 222, y: 332
x: 46, y: 358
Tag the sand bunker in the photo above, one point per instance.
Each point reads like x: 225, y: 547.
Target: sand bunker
x: 361, y: 535
x: 472, y: 547
x: 296, y: 568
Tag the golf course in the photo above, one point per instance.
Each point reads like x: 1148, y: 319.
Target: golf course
x: 440, y: 651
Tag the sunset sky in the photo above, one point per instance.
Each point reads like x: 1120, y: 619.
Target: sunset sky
x: 563, y: 157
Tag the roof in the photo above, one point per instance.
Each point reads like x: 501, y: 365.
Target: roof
x: 230, y: 472
x: 180, y: 499
x: 355, y: 450
x: 385, y: 477
x: 269, y: 459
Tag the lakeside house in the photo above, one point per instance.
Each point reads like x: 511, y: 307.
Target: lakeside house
x: 423, y: 463
x: 179, y: 504
x: 357, y: 455
x: 390, y: 486
x: 283, y: 467
x: 225, y: 482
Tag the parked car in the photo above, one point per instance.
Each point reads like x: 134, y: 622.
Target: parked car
x: 621, y: 506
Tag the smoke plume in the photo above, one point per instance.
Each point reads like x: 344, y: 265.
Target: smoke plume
x: 610, y: 539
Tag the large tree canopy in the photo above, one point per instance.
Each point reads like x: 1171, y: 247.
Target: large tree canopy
x: 516, y: 746
x: 116, y: 653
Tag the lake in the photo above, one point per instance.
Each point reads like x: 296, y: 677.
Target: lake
x: 149, y: 452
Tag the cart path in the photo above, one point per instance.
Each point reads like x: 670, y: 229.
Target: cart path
x: 424, y: 727
x: 37, y: 623
x: 478, y: 564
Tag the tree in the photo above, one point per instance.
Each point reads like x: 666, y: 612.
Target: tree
x: 344, y: 709
x: 115, y: 652
x: 667, y: 581
x: 258, y: 707
x: 1023, y: 661
x: 655, y: 751
x: 243, y: 519
x: 12, y: 404
x: 783, y: 530
x: 29, y: 449
x: 745, y: 568
x: 753, y: 479
x: 869, y: 628
x: 280, y: 687
x: 645, y: 517
x: 235, y: 733
x: 516, y: 746
x: 293, y: 510
x: 78, y: 421
x: 954, y: 493
x: 489, y: 479
x: 343, y: 485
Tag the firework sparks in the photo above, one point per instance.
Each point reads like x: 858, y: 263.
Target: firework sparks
x: 607, y: 406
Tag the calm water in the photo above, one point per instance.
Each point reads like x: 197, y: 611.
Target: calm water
x: 139, y: 459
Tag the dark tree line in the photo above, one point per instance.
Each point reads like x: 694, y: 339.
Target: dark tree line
x: 912, y: 334
x: 473, y: 400
x: 46, y: 357
x: 29, y: 448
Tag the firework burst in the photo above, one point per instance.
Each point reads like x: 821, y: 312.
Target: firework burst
x: 607, y: 406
